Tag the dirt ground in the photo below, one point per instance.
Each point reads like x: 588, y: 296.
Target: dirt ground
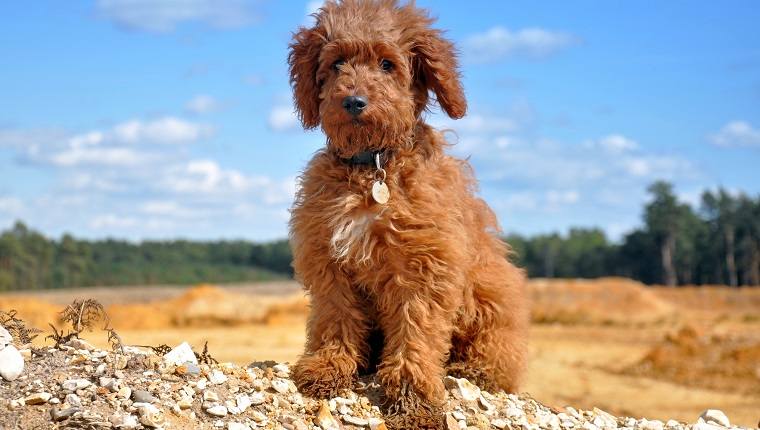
x: 630, y: 350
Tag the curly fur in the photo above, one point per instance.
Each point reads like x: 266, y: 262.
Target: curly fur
x: 425, y: 269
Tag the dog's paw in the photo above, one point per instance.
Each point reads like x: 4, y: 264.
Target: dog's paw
x: 407, y: 409
x: 324, y: 378
x: 401, y: 415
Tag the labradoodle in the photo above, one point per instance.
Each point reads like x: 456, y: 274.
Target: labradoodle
x: 398, y: 254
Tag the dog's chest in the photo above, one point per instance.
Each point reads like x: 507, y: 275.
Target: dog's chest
x: 354, y: 236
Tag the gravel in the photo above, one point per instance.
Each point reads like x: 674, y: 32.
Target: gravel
x: 79, y: 386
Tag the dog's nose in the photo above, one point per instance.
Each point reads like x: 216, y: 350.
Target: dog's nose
x: 355, y: 104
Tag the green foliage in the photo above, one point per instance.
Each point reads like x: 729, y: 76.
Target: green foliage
x: 29, y: 261
x: 719, y: 243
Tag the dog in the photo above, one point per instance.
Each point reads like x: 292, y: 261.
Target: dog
x: 399, y: 256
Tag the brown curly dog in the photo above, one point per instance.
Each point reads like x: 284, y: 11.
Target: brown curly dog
x: 399, y: 256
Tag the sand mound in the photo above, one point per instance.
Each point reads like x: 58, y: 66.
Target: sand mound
x: 206, y: 305
x: 203, y: 305
x: 715, y: 302
x: 34, y: 312
x: 697, y: 356
x: 604, y: 301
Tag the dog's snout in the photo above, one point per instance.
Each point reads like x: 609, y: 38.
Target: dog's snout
x: 355, y: 104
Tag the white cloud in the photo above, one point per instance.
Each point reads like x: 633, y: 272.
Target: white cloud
x: 111, y: 220
x: 12, y: 205
x: 284, y: 119
x: 78, y: 156
x: 204, y: 104
x: 206, y: 176
x: 530, y: 182
x: 118, y: 146
x: 500, y: 43
x: 168, y: 130
x: 516, y: 117
x: 563, y: 196
x: 617, y: 143
x: 26, y: 138
x: 160, y: 16
x: 736, y: 133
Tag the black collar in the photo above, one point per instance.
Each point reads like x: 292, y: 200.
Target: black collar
x: 368, y: 157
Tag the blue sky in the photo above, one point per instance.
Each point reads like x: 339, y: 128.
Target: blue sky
x: 147, y: 119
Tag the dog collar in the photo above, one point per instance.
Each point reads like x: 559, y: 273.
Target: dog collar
x: 380, y: 191
x: 370, y: 158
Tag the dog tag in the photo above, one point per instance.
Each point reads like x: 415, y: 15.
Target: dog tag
x: 380, y: 192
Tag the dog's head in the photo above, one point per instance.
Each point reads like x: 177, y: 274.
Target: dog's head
x: 365, y: 71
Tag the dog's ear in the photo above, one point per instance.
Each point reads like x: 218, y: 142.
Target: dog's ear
x: 436, y: 68
x: 303, y: 62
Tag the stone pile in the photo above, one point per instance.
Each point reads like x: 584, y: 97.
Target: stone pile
x: 80, y: 386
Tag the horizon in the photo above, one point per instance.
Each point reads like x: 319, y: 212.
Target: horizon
x: 130, y: 120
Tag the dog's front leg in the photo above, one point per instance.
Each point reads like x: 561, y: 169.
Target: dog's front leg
x: 336, y: 340
x: 417, y: 323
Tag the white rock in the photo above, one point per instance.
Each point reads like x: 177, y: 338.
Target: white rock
x: 702, y: 425
x: 499, y: 423
x: 75, y: 384
x: 484, y: 404
x: 323, y: 418
x: 81, y: 344
x: 73, y: 400
x: 124, y: 393
x: 281, y: 402
x: 150, y: 415
x: 217, y: 411
x: 468, y: 390
x: 5, y: 337
x: 513, y: 413
x: 355, y: 421
x: 604, y: 419
x: 374, y: 423
x: 281, y: 368
x: 210, y: 396
x: 145, y: 408
x: 654, y: 425
x: 217, y: 377
x: 673, y: 425
x: 123, y: 421
x: 587, y: 425
x: 243, y: 402
x: 11, y: 363
x: 258, y: 416
x: 257, y: 398
x: 185, y: 403
x: 181, y: 354
x: 283, y: 386
x: 237, y: 426
x: 714, y: 416
x: 201, y: 385
x: 549, y: 421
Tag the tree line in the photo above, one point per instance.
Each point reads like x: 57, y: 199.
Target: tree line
x: 715, y: 243
x: 28, y: 261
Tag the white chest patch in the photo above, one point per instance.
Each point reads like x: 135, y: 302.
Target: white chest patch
x: 352, y: 238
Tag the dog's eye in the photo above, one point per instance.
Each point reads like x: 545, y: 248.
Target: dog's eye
x: 386, y: 65
x: 337, y: 64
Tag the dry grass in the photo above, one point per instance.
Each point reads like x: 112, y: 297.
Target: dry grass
x: 610, y: 343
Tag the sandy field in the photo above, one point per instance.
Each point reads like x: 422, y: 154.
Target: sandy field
x: 611, y: 343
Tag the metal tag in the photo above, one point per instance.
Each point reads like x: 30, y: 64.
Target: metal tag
x: 380, y: 192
